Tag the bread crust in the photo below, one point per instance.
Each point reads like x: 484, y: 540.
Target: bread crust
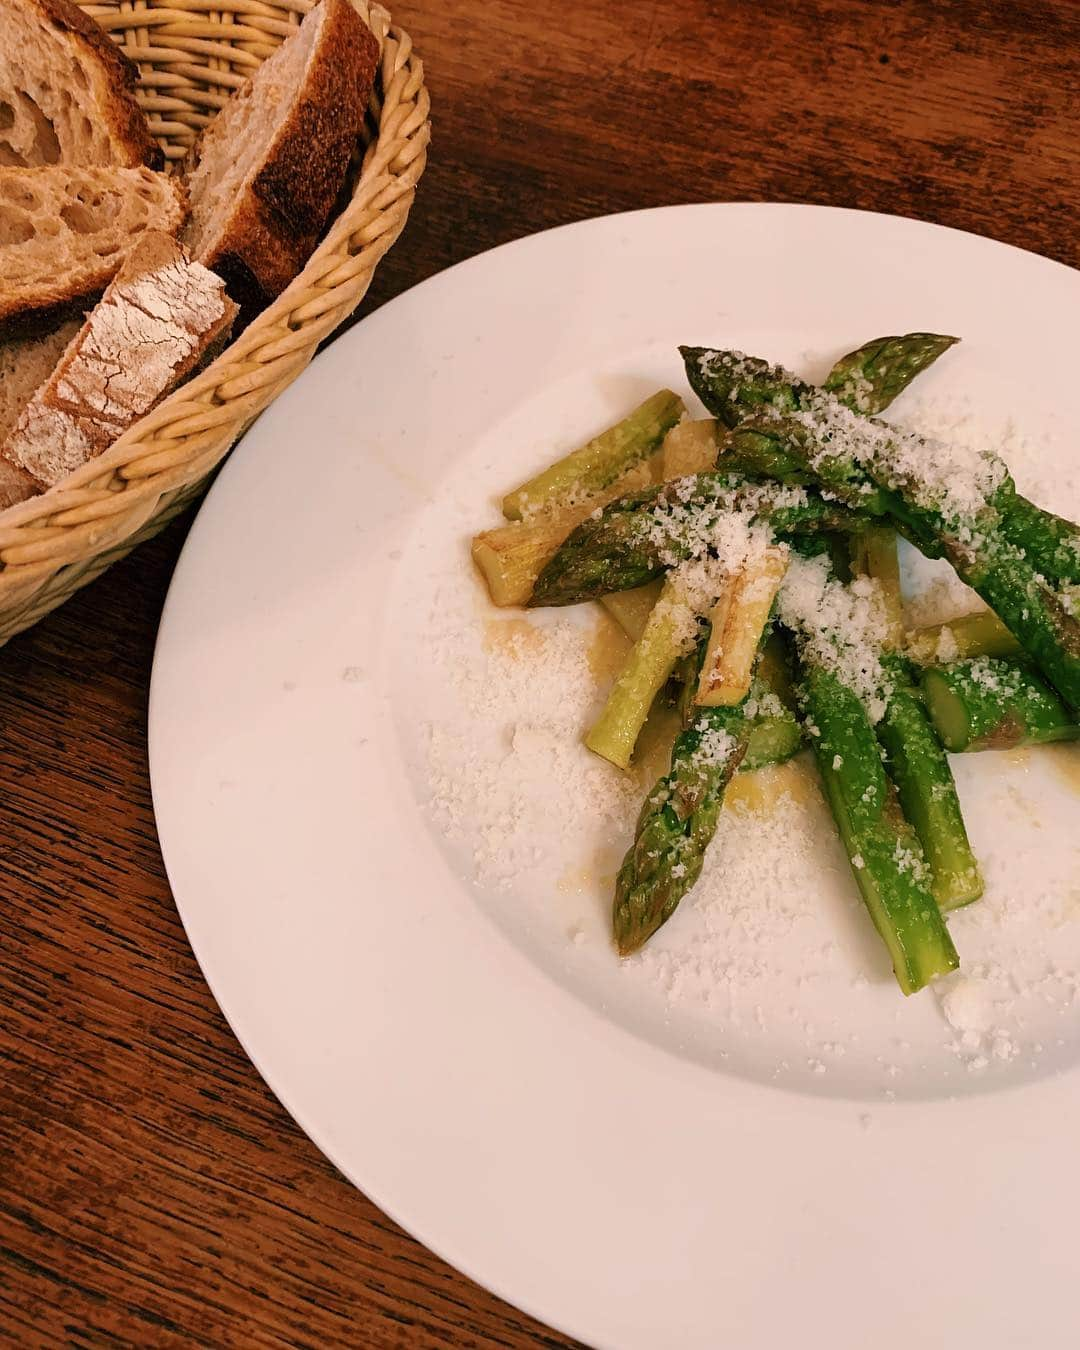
x: 277, y: 219
x: 129, y: 130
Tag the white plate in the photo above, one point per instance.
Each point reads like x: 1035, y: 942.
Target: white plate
x: 747, y: 1135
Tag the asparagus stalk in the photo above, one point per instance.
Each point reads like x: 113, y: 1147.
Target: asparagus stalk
x: 1037, y: 617
x: 773, y: 739
x: 736, y: 625
x: 874, y: 554
x: 927, y: 791
x: 640, y: 536
x: 676, y: 825
x: 1000, y: 572
x: 988, y: 704
x: 734, y: 387
x: 770, y: 707
x: 689, y: 447
x: 600, y: 462
x: 738, y: 619
x: 1050, y: 543
x: 680, y: 814
x: 775, y: 734
x: 971, y: 635
x: 871, y: 377
x: 916, y: 761
x: 883, y: 849
x: 670, y: 632
x: 774, y: 672
x: 511, y: 557
x: 631, y: 609
x: 788, y: 450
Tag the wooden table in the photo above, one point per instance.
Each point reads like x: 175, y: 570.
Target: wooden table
x: 151, y: 1189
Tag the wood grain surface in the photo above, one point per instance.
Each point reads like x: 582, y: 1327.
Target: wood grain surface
x: 152, y: 1191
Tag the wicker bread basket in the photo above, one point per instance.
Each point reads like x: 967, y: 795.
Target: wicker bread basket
x: 192, y: 54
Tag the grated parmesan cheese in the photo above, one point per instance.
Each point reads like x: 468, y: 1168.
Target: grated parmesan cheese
x: 715, y: 746
x: 730, y: 525
x: 841, y: 627
x: 956, y: 481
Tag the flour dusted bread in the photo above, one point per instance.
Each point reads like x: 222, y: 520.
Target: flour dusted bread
x: 265, y: 173
x: 64, y: 231
x: 66, y: 91
x: 159, y: 318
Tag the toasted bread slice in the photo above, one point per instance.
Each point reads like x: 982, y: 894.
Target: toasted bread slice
x: 159, y: 317
x: 265, y: 173
x: 66, y: 91
x: 64, y: 232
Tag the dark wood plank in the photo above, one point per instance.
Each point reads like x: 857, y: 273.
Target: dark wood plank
x: 151, y: 1189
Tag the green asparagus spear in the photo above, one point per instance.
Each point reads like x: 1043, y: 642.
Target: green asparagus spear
x: 1041, y: 622
x: 735, y: 387
x: 670, y: 631
x: 641, y: 535
x: 963, y: 519
x: 988, y: 704
x: 1050, y: 543
x: 591, y: 468
x: 871, y: 377
x: 677, y: 824
x: 680, y: 815
x: 980, y: 634
x: 920, y: 769
x: 849, y: 630
x: 765, y: 447
x: 867, y: 379
x: 884, y: 851
x: 774, y: 737
x: 874, y: 553
x: 631, y: 609
x: 916, y: 761
x: 775, y: 733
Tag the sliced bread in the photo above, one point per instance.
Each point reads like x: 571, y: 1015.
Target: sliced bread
x: 64, y: 232
x: 25, y: 365
x: 161, y: 315
x: 66, y: 91
x: 264, y: 174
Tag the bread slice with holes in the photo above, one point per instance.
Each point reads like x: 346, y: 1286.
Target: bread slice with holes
x: 160, y: 317
x: 67, y: 91
x: 64, y: 231
x: 265, y: 173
